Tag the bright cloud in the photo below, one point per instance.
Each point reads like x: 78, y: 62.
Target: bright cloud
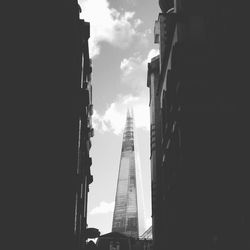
x: 108, y: 24
x: 113, y: 120
x: 128, y: 65
x: 98, y: 122
x: 134, y: 70
x: 134, y: 74
x: 103, y: 208
x: 152, y: 53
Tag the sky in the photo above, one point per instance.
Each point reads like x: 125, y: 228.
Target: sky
x: 121, y: 44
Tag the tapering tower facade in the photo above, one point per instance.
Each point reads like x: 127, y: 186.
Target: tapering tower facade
x: 125, y: 217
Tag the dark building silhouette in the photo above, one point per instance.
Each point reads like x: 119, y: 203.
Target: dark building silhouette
x: 115, y: 241
x: 200, y: 184
x: 146, y: 239
x: 155, y: 149
x: 47, y: 94
x: 83, y: 175
x: 121, y: 241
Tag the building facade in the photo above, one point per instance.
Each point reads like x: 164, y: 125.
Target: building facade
x: 198, y: 200
x: 51, y: 99
x: 125, y: 217
x: 146, y: 239
x: 83, y: 177
x: 155, y: 149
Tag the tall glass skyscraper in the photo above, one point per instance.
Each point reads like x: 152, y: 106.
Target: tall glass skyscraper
x: 125, y: 218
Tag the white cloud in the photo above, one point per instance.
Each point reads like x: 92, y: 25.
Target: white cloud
x: 103, y: 208
x: 129, y: 99
x: 114, y: 117
x: 126, y: 66
x: 137, y: 22
x: 152, y: 53
x: 134, y: 70
x: 133, y: 74
x: 98, y: 123
x: 108, y: 24
x: 113, y: 120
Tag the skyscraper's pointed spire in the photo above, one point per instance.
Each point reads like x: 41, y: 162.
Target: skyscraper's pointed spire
x: 125, y: 218
x: 128, y: 113
x: 128, y: 134
x: 132, y: 112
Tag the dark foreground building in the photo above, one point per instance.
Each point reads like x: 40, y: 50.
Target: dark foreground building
x: 47, y: 118
x: 115, y: 241
x: 120, y: 241
x: 146, y: 239
x: 85, y: 131
x: 200, y: 186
